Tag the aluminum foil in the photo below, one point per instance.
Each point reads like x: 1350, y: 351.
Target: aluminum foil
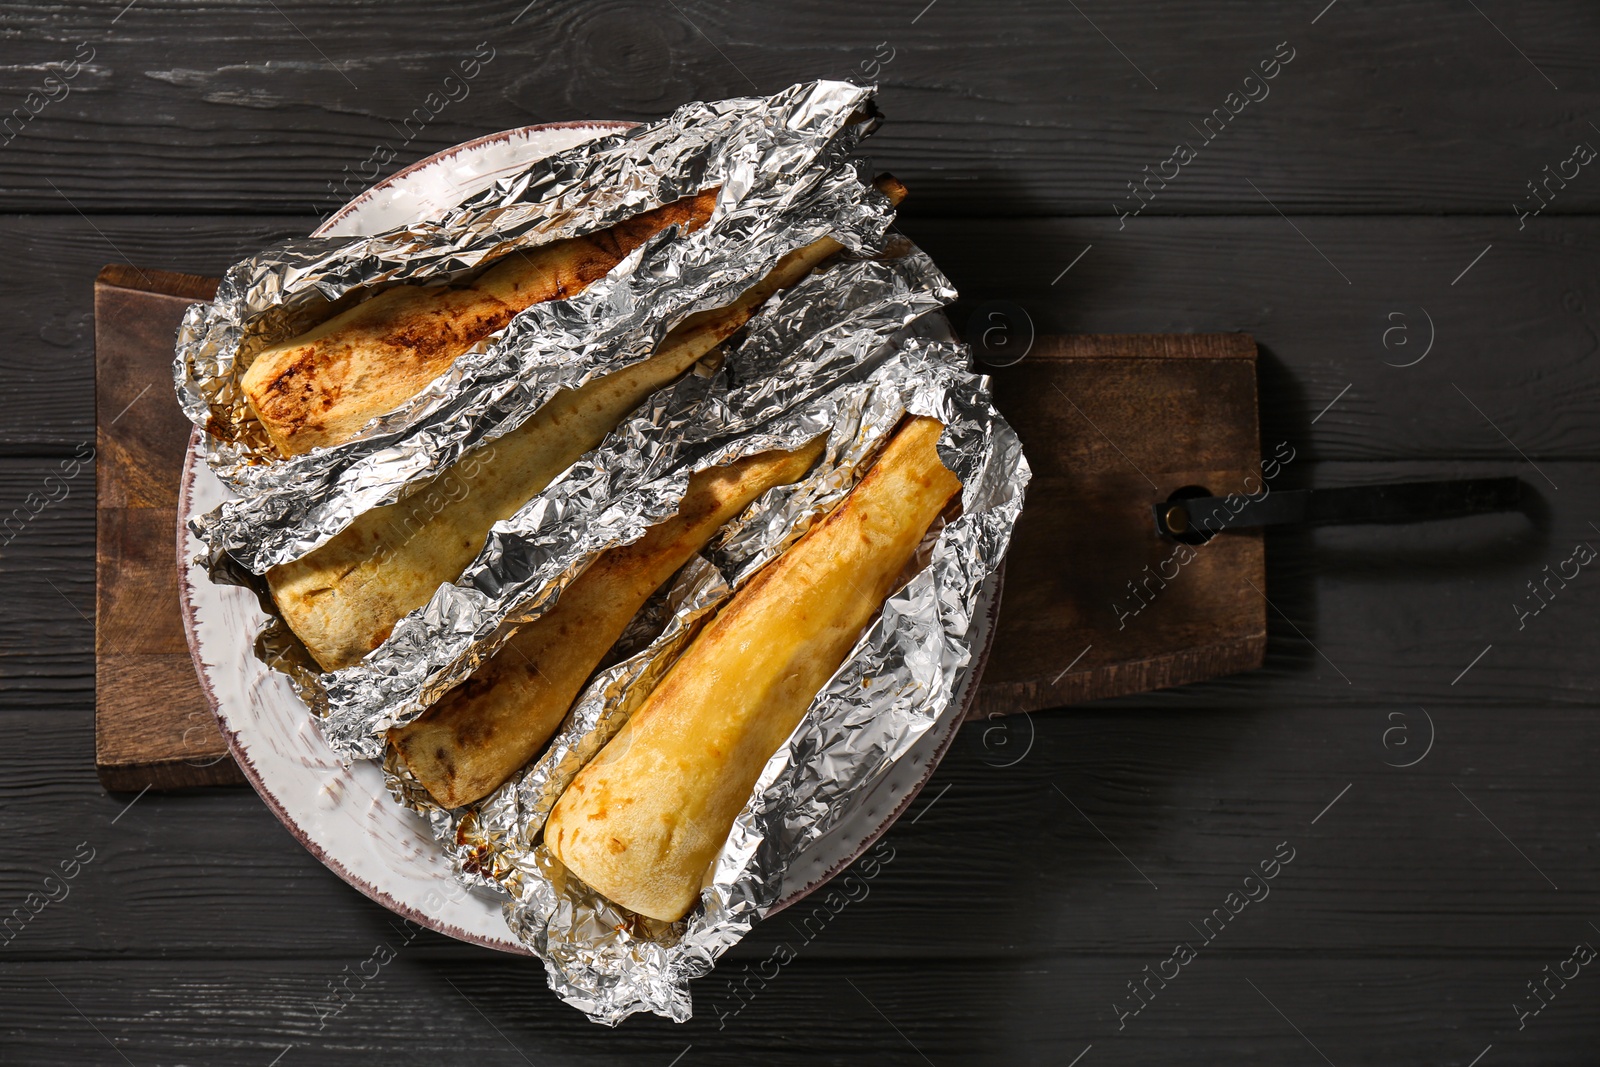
x: 828, y: 356
x: 827, y: 328
x: 902, y: 679
x: 785, y: 180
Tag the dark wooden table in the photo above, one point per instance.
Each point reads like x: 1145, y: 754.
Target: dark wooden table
x: 1360, y: 217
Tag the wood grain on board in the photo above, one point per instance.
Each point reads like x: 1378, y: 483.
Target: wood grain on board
x: 1096, y: 605
x: 152, y: 726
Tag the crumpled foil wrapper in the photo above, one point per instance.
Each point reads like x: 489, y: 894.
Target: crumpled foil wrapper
x: 830, y: 355
x: 902, y: 678
x: 830, y: 326
x: 786, y: 179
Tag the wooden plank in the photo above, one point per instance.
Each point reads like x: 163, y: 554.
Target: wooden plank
x: 248, y: 1011
x: 1515, y: 335
x: 1401, y: 610
x: 1002, y: 858
x: 1504, y: 362
x: 153, y: 728
x: 47, y: 325
x: 152, y: 725
x: 137, y: 418
x: 47, y: 567
x: 1025, y: 108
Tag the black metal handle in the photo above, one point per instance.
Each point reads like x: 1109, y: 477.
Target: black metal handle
x: 1197, y: 518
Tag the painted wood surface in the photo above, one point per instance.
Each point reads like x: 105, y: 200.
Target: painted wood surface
x: 1057, y: 854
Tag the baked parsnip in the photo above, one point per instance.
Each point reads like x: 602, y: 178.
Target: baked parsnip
x: 323, y: 386
x: 343, y: 599
x: 643, y: 821
x: 483, y: 730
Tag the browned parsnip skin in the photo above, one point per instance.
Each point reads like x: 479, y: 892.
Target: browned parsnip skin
x: 319, y: 388
x: 642, y: 822
x: 484, y: 730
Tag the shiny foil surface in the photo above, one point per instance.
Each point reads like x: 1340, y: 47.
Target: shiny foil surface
x: 785, y: 179
x: 830, y: 327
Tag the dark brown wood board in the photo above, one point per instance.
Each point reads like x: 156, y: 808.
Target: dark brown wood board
x: 152, y: 725
x: 1095, y: 604
x: 1110, y: 424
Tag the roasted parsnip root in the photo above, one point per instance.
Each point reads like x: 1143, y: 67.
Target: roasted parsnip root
x: 343, y: 599
x: 643, y: 821
x: 483, y: 730
x: 321, y: 387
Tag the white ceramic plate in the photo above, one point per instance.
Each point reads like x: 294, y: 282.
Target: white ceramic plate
x: 343, y: 814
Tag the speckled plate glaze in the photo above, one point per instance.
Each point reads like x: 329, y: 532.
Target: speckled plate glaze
x: 342, y: 814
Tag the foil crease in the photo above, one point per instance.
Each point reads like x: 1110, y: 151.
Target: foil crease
x: 903, y: 678
x: 821, y: 331
x: 785, y: 177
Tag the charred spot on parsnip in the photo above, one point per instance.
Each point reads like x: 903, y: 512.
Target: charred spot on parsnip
x: 643, y: 820
x: 483, y: 730
x: 343, y: 599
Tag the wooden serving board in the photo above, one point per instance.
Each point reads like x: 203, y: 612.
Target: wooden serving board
x: 1111, y: 424
x: 151, y: 723
x: 1095, y: 604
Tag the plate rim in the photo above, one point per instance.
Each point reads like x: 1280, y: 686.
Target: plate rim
x: 252, y: 774
x: 369, y: 194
